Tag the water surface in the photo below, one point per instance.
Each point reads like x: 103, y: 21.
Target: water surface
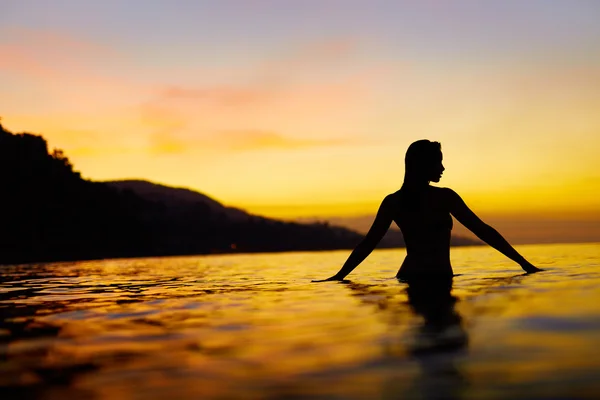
x: 254, y: 327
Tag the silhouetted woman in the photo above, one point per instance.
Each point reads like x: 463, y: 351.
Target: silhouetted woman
x: 423, y: 214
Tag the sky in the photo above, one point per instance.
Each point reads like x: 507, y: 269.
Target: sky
x: 304, y: 109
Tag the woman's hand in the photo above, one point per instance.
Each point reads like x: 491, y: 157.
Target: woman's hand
x: 529, y: 267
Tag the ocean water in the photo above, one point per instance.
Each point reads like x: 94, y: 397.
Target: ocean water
x: 255, y: 327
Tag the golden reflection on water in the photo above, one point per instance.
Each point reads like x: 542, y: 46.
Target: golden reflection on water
x: 254, y: 327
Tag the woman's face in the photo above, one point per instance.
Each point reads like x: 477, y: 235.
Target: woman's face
x: 436, y: 169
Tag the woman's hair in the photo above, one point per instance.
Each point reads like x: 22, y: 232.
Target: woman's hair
x: 419, y: 156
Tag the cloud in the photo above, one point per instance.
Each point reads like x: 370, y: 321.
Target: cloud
x: 330, y: 50
x: 14, y: 59
x: 276, y: 76
x: 287, y: 93
x: 252, y: 140
x: 44, y: 54
x: 65, y: 74
x: 162, y: 144
x: 50, y: 40
x: 272, y: 105
x: 168, y: 142
x: 322, y: 54
x: 262, y: 85
x: 225, y: 95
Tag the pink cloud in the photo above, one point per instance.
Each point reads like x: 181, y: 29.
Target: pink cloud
x: 287, y: 87
x: 251, y: 140
x: 73, y: 72
x: 336, y: 50
x: 229, y: 96
x: 15, y: 60
x: 180, y: 118
x: 49, y: 54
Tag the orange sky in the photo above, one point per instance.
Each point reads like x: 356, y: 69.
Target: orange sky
x: 306, y: 110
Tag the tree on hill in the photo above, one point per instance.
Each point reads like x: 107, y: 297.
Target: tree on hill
x: 49, y: 212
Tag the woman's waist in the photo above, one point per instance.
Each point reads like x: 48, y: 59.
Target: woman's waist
x: 427, y: 261
x: 417, y: 269
x: 430, y: 253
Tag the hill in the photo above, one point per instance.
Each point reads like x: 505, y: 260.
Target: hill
x: 192, y: 222
x: 177, y: 198
x: 49, y: 212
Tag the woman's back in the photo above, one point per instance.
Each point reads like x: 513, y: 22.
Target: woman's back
x: 423, y: 216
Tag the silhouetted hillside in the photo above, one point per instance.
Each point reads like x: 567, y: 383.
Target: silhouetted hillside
x: 177, y: 198
x: 181, y: 216
x: 49, y: 212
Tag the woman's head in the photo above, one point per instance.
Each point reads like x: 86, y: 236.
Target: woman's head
x: 423, y: 162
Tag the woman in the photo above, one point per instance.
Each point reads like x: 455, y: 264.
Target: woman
x: 423, y: 213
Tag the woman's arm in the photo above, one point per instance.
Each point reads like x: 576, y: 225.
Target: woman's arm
x: 483, y: 231
x: 365, y: 247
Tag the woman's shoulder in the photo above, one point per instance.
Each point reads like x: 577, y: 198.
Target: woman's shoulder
x: 393, y: 196
x: 444, y: 194
x: 445, y: 191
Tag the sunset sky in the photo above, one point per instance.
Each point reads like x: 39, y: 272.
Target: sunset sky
x: 304, y: 109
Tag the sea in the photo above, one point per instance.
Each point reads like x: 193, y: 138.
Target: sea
x: 254, y: 326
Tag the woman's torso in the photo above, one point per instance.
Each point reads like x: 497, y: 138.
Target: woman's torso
x: 424, y: 218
